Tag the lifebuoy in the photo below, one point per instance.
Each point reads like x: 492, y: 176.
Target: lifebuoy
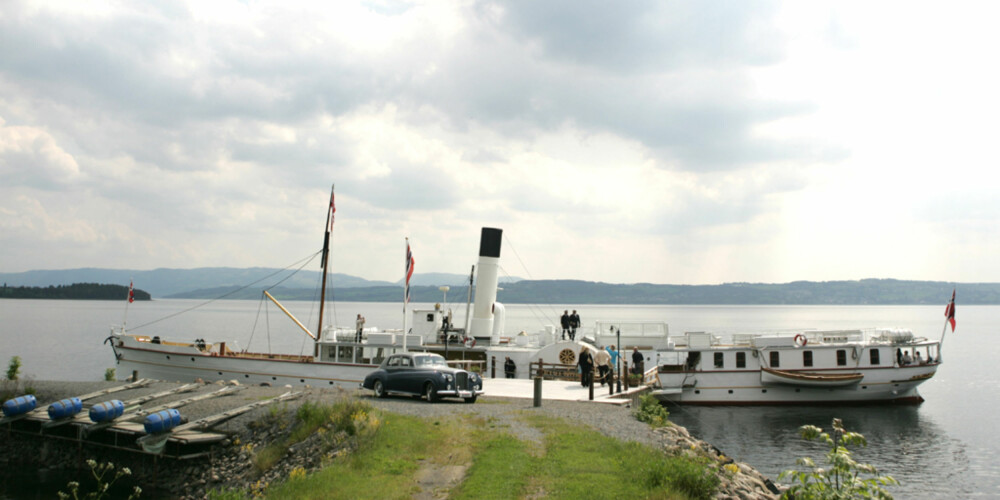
x: 470, y: 342
x: 800, y: 340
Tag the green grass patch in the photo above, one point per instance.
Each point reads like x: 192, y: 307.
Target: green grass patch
x: 501, y: 469
x: 571, y: 462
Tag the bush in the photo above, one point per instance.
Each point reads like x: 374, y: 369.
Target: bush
x: 14, y: 368
x: 651, y: 411
x: 844, y: 479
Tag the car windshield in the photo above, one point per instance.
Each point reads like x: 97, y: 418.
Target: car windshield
x: 430, y: 361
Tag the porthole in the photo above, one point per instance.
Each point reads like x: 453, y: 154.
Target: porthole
x: 697, y: 391
x: 730, y: 391
x: 247, y: 375
x: 274, y: 378
x: 864, y: 387
x: 762, y: 391
x: 302, y: 380
x: 192, y: 360
x: 220, y: 373
x: 168, y: 356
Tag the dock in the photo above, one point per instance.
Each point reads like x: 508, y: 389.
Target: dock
x: 197, y: 435
x: 558, y: 390
x: 194, y: 437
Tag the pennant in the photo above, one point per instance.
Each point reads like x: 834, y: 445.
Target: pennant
x: 409, y: 271
x: 949, y: 311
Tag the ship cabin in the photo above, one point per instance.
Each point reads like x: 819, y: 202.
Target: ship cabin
x: 805, y: 351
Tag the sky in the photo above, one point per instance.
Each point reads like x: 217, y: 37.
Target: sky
x: 623, y: 142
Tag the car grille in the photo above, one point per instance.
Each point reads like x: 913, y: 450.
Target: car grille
x: 462, y: 381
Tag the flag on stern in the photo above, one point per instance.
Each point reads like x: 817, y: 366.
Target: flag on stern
x: 409, y: 270
x: 131, y: 293
x: 949, y: 311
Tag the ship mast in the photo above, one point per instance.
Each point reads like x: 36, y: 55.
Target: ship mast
x: 326, y: 252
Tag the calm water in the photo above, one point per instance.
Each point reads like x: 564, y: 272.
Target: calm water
x: 944, y: 447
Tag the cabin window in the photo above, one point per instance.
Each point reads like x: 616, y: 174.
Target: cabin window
x: 344, y: 354
x: 841, y: 357
x: 873, y: 357
x: 393, y: 361
x: 775, y: 359
x: 692, y: 360
x: 718, y: 360
x: 807, y: 358
x: 404, y: 362
x: 741, y: 360
x: 430, y: 317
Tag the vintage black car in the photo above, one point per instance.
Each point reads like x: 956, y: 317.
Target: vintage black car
x: 423, y: 374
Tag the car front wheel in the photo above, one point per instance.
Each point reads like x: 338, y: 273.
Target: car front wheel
x: 379, y: 389
x: 431, y: 392
x: 470, y: 400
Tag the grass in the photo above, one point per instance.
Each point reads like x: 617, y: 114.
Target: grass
x: 571, y: 462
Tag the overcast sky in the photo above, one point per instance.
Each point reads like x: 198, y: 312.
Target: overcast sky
x: 663, y: 142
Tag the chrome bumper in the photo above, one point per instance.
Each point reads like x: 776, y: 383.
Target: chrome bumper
x: 461, y: 393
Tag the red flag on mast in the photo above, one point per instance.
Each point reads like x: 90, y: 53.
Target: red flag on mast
x: 949, y: 311
x: 131, y: 293
x: 409, y: 270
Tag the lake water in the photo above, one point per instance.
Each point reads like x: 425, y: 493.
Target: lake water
x: 944, y: 447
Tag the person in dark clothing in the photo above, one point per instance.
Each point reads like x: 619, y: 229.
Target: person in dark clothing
x: 586, y: 364
x: 574, y: 323
x: 509, y: 368
x: 637, y: 361
x: 564, y: 321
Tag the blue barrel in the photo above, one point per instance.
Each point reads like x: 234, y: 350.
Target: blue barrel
x: 19, y: 405
x: 107, y: 411
x: 162, y: 421
x: 65, y: 408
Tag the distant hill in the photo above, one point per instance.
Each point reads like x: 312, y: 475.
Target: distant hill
x: 76, y: 291
x: 572, y: 292
x: 190, y: 282
x: 234, y: 283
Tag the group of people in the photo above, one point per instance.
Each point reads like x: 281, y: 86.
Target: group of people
x: 903, y: 358
x: 569, y: 322
x: 605, y: 360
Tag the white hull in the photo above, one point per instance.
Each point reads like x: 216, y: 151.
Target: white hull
x: 707, y: 372
x: 188, y: 363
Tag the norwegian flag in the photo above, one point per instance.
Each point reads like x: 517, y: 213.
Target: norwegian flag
x: 949, y: 311
x: 409, y: 271
x: 131, y: 293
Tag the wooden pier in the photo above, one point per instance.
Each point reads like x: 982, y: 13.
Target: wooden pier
x: 195, y: 438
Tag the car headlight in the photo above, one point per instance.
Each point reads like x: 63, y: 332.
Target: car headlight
x: 447, y: 377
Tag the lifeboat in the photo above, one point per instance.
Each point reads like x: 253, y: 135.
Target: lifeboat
x: 807, y: 379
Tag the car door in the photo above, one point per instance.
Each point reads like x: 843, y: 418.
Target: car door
x: 408, y: 376
x: 393, y: 374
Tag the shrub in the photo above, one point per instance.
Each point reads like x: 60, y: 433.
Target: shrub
x: 651, y: 411
x: 109, y: 375
x: 14, y: 368
x: 844, y: 478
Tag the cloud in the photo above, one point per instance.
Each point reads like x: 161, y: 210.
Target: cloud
x: 31, y: 157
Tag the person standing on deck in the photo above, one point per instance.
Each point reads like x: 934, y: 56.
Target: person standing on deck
x: 564, y: 321
x: 574, y: 323
x: 360, y: 323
